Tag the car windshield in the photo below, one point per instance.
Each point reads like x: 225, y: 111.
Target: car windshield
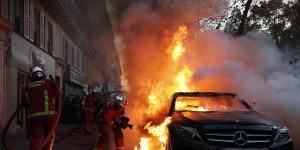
x: 210, y: 104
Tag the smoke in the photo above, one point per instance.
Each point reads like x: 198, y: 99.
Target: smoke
x: 251, y: 65
x: 102, y: 62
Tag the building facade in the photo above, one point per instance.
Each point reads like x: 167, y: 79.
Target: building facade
x: 104, y: 69
x: 63, y: 36
x: 46, y: 34
x: 5, y: 28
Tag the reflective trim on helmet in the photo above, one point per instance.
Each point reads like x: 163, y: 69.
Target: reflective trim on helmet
x: 41, y: 114
x: 46, y: 100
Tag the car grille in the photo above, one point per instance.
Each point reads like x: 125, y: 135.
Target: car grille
x: 226, y: 138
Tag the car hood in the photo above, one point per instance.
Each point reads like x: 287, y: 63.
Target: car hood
x: 241, y: 118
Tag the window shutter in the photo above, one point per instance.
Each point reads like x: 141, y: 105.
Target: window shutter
x: 42, y: 33
x: 31, y: 23
x: 11, y: 12
x: 70, y: 54
x: 62, y: 46
x: 79, y: 55
x: 46, y: 35
x: 26, y: 18
x: 5, y: 10
x: 55, y: 50
x: 59, y: 43
x: 80, y: 61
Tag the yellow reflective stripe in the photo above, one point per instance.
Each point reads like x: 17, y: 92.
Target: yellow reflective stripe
x: 34, y: 85
x: 120, y: 148
x: 52, y: 141
x: 37, y: 82
x: 41, y: 114
x: 46, y: 100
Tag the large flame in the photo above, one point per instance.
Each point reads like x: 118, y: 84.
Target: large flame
x: 156, y: 136
x: 177, y: 48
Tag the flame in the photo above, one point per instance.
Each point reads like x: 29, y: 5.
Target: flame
x: 177, y: 47
x: 156, y: 137
x: 184, y: 106
x: 182, y: 79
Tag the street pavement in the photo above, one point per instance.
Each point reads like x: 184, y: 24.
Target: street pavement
x: 75, y: 138
x: 68, y: 136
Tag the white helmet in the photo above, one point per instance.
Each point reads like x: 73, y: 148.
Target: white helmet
x: 120, y: 99
x: 38, y: 72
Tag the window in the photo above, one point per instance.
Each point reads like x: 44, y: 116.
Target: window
x: 1, y: 5
x: 83, y: 63
x: 50, y: 38
x: 42, y: 30
x: 37, y: 27
x: 18, y: 18
x: 26, y: 18
x: 77, y: 64
x: 66, y: 51
x: 62, y: 46
x: 4, y: 8
x: 22, y: 81
x: 72, y: 57
x: 31, y: 21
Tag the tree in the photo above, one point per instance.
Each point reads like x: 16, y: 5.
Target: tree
x: 281, y: 19
x: 244, y: 18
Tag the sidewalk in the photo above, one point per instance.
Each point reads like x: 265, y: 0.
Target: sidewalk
x: 73, y: 138
x: 16, y: 141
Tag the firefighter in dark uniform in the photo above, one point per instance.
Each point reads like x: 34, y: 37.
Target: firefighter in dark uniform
x: 40, y: 96
x: 111, y: 116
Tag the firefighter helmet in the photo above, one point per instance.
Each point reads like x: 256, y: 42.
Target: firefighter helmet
x: 119, y: 101
x: 38, y: 73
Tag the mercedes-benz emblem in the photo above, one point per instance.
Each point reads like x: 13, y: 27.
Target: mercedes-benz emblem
x: 240, y: 138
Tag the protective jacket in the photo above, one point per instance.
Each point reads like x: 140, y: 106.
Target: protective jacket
x: 109, y: 117
x: 40, y: 98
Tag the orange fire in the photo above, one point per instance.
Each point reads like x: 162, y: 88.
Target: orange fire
x: 177, y: 46
x: 156, y: 137
x: 184, y: 106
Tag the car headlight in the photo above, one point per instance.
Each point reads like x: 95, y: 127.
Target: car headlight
x: 282, y: 135
x: 188, y: 132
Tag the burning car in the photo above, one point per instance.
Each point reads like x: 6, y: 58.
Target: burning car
x: 221, y: 121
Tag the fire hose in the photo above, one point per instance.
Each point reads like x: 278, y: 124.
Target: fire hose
x: 21, y: 106
x: 7, y: 126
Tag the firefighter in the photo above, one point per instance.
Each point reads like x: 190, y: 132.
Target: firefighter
x: 88, y: 106
x: 111, y: 116
x: 40, y: 96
